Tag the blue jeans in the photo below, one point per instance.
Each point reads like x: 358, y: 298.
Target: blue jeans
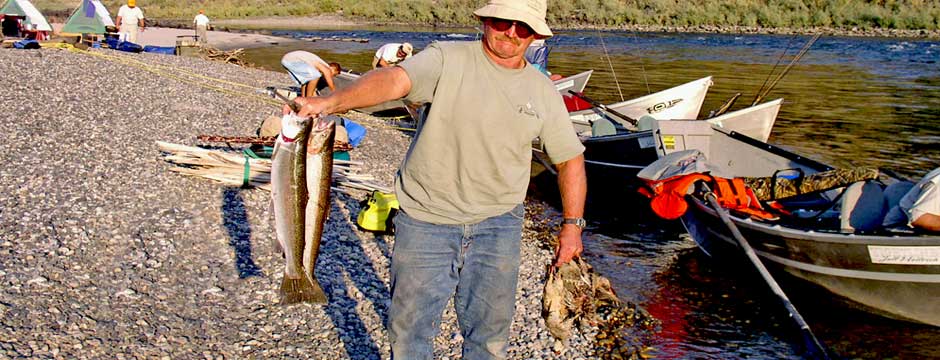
x: 301, y: 71
x: 477, y: 264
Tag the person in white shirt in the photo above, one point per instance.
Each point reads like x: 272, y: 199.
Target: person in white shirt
x: 920, y: 206
x: 130, y: 19
x: 201, y: 22
x: 391, y: 54
x: 308, y: 69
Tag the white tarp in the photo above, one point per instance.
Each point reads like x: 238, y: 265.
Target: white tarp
x: 103, y: 13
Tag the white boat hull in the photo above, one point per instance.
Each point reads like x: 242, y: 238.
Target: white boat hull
x: 680, y: 102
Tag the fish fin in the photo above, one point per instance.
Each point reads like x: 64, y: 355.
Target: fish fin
x: 301, y: 290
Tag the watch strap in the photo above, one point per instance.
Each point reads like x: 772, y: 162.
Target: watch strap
x: 579, y: 222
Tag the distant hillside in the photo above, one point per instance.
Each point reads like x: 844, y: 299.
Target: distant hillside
x: 863, y: 14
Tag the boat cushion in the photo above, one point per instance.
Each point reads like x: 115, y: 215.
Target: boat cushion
x: 863, y: 207
x: 645, y: 122
x: 602, y: 127
x: 896, y: 191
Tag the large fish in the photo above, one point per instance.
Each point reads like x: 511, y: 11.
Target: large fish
x: 298, y: 217
x: 319, y: 176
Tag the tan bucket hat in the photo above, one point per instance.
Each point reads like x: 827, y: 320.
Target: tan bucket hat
x: 531, y: 12
x: 408, y: 49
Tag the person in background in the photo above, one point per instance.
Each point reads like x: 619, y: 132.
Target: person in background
x: 130, y: 19
x: 201, y: 22
x: 307, y: 69
x: 462, y: 184
x: 391, y: 54
x: 11, y: 26
x: 920, y: 206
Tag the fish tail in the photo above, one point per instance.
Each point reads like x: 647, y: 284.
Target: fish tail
x: 301, y: 289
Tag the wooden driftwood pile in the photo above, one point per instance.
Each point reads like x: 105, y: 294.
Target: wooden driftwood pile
x: 232, y: 57
x: 236, y: 169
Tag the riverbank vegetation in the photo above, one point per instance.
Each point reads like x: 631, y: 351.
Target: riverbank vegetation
x: 862, y: 14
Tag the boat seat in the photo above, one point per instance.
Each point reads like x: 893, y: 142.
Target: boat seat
x: 603, y: 127
x: 896, y: 218
x: 863, y: 207
x: 645, y: 122
x: 896, y: 191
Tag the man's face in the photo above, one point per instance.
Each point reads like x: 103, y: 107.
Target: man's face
x: 507, y: 39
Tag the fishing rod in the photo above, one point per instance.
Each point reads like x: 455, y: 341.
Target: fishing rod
x: 796, y: 58
x: 776, y: 64
x: 724, y: 108
x: 611, y: 64
x: 646, y: 80
x: 290, y: 102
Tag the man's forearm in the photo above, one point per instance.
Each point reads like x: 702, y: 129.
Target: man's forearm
x: 373, y: 88
x: 572, y: 183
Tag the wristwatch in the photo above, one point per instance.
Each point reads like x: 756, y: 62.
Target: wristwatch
x: 579, y: 222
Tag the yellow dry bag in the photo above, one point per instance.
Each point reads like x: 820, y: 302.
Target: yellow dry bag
x: 377, y: 211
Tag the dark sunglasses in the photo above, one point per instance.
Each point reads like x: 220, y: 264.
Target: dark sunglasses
x: 522, y: 29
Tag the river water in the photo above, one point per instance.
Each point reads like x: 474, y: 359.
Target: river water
x: 848, y: 102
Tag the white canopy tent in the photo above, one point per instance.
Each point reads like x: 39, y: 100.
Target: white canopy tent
x: 33, y: 19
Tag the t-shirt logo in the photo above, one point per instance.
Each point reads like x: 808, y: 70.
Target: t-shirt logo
x: 528, y: 110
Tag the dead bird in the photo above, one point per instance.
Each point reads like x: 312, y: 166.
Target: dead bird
x: 573, y: 293
x: 300, y: 186
x: 576, y: 296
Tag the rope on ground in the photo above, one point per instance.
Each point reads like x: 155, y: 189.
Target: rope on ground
x: 179, y: 74
x: 156, y: 70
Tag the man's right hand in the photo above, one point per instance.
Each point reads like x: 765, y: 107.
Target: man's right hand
x: 311, y: 106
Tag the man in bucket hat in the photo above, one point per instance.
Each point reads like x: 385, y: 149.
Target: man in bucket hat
x: 462, y: 184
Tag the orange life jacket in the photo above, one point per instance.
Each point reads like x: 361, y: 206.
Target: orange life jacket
x: 668, y: 196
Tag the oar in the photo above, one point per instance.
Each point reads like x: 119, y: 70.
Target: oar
x: 816, y: 349
x: 598, y: 105
x: 724, y: 108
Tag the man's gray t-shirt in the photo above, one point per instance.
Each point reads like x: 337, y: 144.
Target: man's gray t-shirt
x: 470, y: 159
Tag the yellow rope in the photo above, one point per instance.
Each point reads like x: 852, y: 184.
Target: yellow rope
x: 183, y: 70
x: 159, y: 72
x: 167, y: 71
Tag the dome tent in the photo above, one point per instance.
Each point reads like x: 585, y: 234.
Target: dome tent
x: 91, y: 17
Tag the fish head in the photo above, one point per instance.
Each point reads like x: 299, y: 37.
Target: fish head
x: 321, y: 135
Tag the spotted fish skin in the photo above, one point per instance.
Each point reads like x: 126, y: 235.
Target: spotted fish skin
x: 319, y: 176
x: 289, y: 197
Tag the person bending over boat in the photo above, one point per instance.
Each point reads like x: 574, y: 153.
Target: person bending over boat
x: 391, y: 54
x: 920, y: 206
x: 463, y: 181
x: 307, y: 69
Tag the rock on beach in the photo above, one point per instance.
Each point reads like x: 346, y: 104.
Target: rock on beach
x: 105, y: 253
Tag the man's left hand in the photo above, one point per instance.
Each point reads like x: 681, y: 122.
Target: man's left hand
x: 569, y: 244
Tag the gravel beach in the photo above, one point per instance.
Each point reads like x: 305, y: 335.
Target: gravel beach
x: 105, y: 253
